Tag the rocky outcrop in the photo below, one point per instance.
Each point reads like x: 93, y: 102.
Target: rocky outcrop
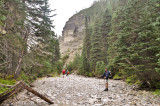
x: 73, y: 32
x: 74, y: 28
x: 72, y: 36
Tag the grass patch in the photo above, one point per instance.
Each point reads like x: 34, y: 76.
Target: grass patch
x: 7, y: 82
x: 117, y: 76
x: 3, y: 89
x: 132, y: 80
x: 156, y: 92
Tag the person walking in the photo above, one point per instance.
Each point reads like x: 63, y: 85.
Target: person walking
x: 106, y: 75
x: 67, y: 72
x: 63, y: 72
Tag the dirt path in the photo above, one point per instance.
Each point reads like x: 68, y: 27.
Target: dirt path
x: 81, y: 91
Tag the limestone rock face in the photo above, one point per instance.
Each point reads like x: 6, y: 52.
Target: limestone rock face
x: 72, y: 36
x: 74, y: 28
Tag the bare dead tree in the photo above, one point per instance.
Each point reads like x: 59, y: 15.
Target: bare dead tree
x: 17, y: 71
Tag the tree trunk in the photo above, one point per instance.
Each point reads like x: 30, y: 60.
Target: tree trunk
x: 16, y: 88
x: 37, y: 94
x: 17, y: 72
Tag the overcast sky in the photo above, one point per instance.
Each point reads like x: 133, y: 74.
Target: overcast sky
x: 65, y: 9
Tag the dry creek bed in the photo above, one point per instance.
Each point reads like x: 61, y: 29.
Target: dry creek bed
x: 75, y: 90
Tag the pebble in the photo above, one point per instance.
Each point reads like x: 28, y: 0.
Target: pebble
x: 104, y: 101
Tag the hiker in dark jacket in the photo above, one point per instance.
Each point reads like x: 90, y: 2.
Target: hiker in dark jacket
x: 106, y: 75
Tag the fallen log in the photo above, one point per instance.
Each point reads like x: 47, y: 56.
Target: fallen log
x: 16, y: 88
x: 9, y: 94
x: 37, y: 94
x: 13, y: 87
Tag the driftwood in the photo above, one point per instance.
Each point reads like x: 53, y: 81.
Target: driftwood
x: 37, y: 94
x: 16, y: 88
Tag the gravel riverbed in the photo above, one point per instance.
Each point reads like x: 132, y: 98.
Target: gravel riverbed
x: 75, y: 90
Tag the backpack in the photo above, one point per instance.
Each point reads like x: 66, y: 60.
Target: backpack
x: 67, y: 72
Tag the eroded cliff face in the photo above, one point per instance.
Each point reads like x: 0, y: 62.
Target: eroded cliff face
x: 72, y: 36
x: 74, y: 28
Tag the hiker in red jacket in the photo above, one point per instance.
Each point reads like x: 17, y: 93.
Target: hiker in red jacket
x: 63, y: 72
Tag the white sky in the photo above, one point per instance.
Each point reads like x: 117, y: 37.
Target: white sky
x: 65, y: 9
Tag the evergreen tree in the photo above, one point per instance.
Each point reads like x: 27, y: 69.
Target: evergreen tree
x: 136, y: 41
x: 38, y: 12
x: 86, y: 48
x: 96, y: 46
x: 105, y: 29
x: 20, y: 21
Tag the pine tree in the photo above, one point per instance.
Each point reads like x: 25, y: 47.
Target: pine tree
x: 96, y: 46
x: 105, y: 29
x: 136, y: 41
x: 39, y: 18
x: 86, y: 48
x: 20, y: 19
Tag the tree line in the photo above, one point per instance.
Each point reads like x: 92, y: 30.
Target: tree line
x: 29, y: 48
x: 126, y: 40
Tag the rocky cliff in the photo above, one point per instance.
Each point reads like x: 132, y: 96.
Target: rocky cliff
x: 72, y: 36
x: 71, y: 41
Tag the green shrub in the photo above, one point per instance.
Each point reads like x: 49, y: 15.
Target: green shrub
x: 90, y: 75
x: 132, y: 79
x: 70, y: 66
x: 117, y: 76
x: 75, y: 64
x: 100, y: 67
x: 58, y: 67
x: 157, y: 92
x: 155, y: 84
x: 86, y: 74
x: 24, y: 77
x: 64, y: 59
x: 81, y: 72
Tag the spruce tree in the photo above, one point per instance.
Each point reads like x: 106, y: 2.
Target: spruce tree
x: 137, y: 45
x: 105, y: 29
x: 86, y: 48
x: 96, y: 46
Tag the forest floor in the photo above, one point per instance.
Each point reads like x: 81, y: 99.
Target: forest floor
x: 75, y: 90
